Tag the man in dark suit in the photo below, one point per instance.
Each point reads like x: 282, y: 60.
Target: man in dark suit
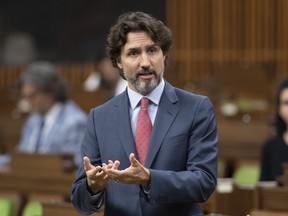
x: 177, y: 168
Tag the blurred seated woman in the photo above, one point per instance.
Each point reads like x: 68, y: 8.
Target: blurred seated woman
x: 275, y: 149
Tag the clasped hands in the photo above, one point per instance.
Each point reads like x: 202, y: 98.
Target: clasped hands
x: 100, y: 176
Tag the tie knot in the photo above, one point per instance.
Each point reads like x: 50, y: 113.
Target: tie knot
x: 144, y: 102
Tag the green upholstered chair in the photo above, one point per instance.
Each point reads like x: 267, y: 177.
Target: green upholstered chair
x: 6, y: 207
x: 246, y: 175
x: 32, y: 208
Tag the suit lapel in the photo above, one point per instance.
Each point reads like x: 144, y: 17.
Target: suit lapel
x: 122, y: 122
x: 167, y: 111
x: 166, y: 114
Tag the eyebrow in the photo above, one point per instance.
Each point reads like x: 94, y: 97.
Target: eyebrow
x: 146, y: 47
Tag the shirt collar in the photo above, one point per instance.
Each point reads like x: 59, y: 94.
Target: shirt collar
x: 51, y: 116
x: 153, y: 96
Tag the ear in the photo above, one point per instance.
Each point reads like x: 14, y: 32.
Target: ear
x: 119, y: 63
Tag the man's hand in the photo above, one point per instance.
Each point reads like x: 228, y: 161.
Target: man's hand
x: 96, y: 178
x: 134, y: 174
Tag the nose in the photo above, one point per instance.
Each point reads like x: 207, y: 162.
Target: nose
x: 145, y: 61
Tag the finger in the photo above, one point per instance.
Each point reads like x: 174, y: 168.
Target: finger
x: 95, y: 172
x: 133, y: 160
x: 110, y: 162
x: 106, y: 166
x: 89, y: 167
x: 106, y: 173
x: 116, y: 164
x: 113, y: 173
x: 101, y: 173
x: 106, y: 177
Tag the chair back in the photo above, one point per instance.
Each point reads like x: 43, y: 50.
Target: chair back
x: 32, y: 208
x: 246, y: 175
x: 6, y: 207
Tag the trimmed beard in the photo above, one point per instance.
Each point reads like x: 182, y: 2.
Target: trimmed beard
x: 146, y: 86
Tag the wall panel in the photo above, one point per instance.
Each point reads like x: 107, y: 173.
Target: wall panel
x: 231, y: 50
x: 213, y: 35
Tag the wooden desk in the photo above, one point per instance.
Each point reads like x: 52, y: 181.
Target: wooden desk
x: 46, y: 178
x: 241, y: 201
x: 238, y: 202
x: 63, y: 208
x: 267, y: 213
x: 38, y: 174
x: 27, y: 184
x: 272, y: 198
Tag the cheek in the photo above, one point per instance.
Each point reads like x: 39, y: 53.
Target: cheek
x: 158, y: 62
x: 283, y: 112
x: 129, y: 68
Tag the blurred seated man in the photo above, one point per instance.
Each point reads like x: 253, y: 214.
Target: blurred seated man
x: 55, y: 124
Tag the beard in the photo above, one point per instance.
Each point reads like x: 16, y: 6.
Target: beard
x: 145, y: 86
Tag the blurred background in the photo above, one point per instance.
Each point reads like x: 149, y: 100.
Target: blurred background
x: 65, y: 31
x: 234, y: 51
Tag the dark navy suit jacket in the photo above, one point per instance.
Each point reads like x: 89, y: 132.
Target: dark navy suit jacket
x: 182, y: 157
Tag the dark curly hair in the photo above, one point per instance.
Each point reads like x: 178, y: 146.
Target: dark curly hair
x: 137, y: 22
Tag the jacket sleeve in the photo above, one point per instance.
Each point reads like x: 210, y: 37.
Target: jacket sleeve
x: 82, y: 200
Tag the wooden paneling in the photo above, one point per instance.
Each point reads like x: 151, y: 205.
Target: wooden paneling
x: 231, y: 50
x: 74, y: 73
x: 219, y: 35
x: 238, y: 140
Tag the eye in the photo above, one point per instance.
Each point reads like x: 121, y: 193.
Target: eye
x: 152, y: 50
x: 133, y: 53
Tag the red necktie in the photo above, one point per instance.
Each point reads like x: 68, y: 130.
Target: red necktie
x: 143, y: 131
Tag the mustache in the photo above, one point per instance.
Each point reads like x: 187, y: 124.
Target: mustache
x: 146, y: 71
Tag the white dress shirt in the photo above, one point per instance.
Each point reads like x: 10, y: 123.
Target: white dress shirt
x: 135, y: 98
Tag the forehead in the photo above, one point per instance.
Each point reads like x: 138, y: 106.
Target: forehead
x: 137, y: 40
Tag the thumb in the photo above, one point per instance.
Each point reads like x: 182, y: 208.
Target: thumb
x: 87, y: 164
